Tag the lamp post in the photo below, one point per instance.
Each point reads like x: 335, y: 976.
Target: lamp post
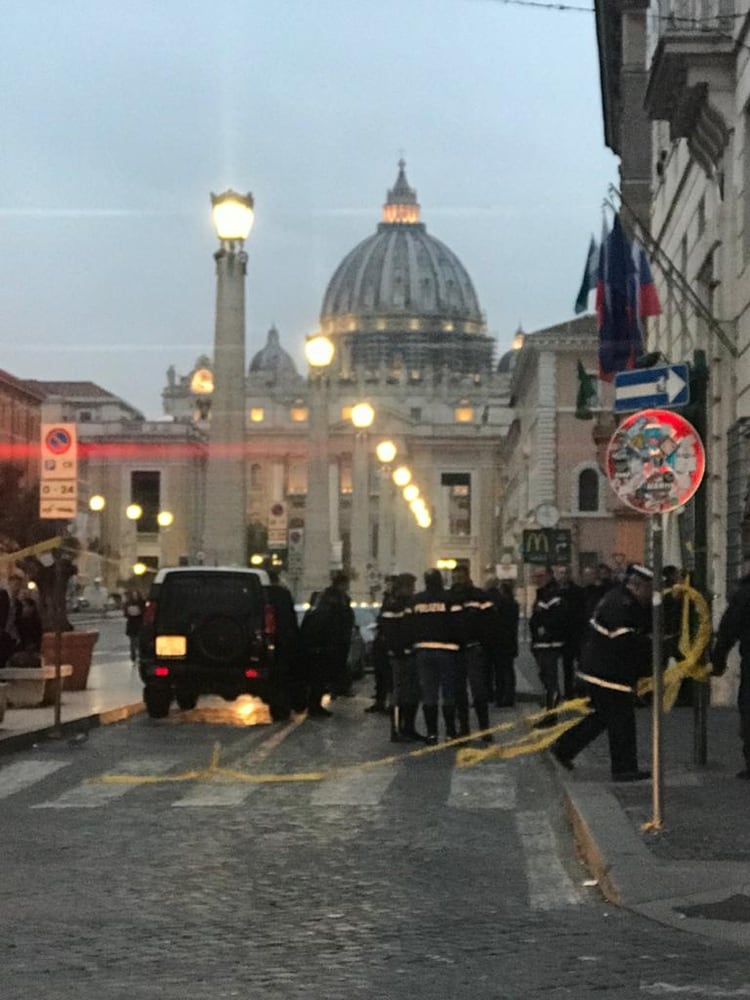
x: 359, y: 557
x: 386, y: 452
x: 319, y: 351
x: 224, y: 532
x: 165, y: 520
x: 133, y: 514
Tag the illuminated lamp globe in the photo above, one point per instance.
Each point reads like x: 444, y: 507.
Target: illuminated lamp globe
x: 97, y: 503
x: 256, y: 559
x: 410, y: 492
x: 233, y: 215
x: 402, y: 475
x: 165, y: 518
x: 362, y: 415
x: 386, y: 452
x: 418, y: 507
x: 319, y: 351
x: 139, y: 569
x: 133, y: 511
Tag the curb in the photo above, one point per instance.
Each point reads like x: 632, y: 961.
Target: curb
x: 26, y: 740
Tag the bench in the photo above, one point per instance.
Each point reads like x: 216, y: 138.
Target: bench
x: 29, y: 687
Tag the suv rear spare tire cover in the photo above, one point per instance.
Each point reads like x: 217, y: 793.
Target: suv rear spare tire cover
x: 221, y: 638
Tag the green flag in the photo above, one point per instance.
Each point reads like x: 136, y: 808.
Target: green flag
x: 587, y: 395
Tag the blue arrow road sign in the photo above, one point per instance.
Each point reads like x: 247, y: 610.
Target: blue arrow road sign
x: 652, y: 388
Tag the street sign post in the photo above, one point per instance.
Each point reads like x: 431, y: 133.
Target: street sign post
x: 58, y: 483
x: 546, y: 546
x: 646, y: 388
x: 655, y: 463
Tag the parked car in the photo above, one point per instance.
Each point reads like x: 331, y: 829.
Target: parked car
x: 208, y: 630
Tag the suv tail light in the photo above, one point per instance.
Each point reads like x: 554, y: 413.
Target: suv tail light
x: 149, y: 613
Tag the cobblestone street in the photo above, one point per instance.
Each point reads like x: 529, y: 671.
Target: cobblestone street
x: 414, y: 880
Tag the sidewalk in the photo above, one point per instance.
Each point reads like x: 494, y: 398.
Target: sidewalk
x: 694, y: 874
x: 113, y: 693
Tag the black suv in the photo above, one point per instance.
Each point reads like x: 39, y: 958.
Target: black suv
x: 209, y: 630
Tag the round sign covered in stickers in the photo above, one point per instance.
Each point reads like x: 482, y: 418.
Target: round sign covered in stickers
x: 655, y: 461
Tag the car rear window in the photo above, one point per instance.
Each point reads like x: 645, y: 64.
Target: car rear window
x: 185, y: 596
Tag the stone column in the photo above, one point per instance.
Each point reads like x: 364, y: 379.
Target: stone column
x: 316, y: 575
x: 224, y: 531
x: 360, y: 524
x: 386, y: 523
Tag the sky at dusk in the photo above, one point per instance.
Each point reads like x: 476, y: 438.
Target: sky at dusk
x: 120, y: 119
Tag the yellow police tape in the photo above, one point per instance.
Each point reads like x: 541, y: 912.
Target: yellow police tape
x: 544, y: 727
x: 692, y: 648
x: 32, y: 550
x: 531, y: 742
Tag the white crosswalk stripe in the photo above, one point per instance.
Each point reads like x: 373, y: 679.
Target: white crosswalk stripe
x: 215, y: 793
x: 360, y: 788
x: 91, y: 795
x: 25, y: 773
x: 550, y: 887
x: 485, y: 787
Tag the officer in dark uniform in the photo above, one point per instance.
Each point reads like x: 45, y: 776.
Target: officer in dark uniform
x: 393, y: 629
x: 735, y: 627
x: 616, y: 652
x: 435, y: 634
x: 548, y: 627
x: 477, y: 621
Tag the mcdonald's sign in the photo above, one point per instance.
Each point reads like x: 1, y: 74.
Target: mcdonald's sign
x: 546, y: 546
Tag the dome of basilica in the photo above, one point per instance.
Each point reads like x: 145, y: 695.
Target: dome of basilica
x: 272, y: 359
x: 401, y: 291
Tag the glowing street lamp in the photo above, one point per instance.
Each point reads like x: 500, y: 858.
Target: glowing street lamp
x: 402, y: 475
x: 165, y: 518
x: 133, y: 512
x: 386, y: 452
x: 97, y: 503
x: 233, y: 216
x: 362, y: 415
x: 319, y: 351
x: 410, y: 492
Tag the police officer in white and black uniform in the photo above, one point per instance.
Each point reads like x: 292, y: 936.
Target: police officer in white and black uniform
x: 616, y: 652
x: 436, y: 633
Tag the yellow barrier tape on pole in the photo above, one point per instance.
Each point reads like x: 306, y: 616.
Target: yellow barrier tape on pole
x: 32, y: 550
x: 692, y: 651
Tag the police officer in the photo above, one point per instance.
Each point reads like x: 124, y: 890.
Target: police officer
x: 393, y: 628
x: 735, y: 627
x: 616, y: 652
x: 435, y: 633
x: 548, y: 627
x: 477, y: 621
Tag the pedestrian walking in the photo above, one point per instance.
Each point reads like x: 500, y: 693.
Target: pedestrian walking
x: 435, y: 634
x: 394, y: 623
x: 548, y: 627
x: 315, y: 655
x: 502, y: 647
x: 133, y: 607
x: 734, y: 627
x: 477, y: 623
x: 335, y: 607
x: 615, y: 653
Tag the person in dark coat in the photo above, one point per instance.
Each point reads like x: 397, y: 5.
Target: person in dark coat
x: 575, y: 623
x: 593, y: 591
x: 502, y: 648
x: 435, y: 637
x: 9, y: 614
x: 477, y: 623
x: 394, y: 627
x: 29, y: 626
x: 315, y: 655
x: 335, y: 606
x: 290, y: 687
x: 133, y: 607
x: 548, y: 627
x: 616, y: 651
x: 734, y: 627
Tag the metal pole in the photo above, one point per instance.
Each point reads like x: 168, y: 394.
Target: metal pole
x: 656, y: 706
x: 58, y: 597
x: 700, y: 690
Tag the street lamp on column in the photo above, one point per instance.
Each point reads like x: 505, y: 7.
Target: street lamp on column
x: 165, y: 520
x: 224, y: 531
x: 362, y: 417
x: 133, y: 513
x: 319, y: 352
x: 386, y: 452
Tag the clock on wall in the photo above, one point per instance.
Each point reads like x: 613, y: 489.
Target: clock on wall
x: 547, y: 515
